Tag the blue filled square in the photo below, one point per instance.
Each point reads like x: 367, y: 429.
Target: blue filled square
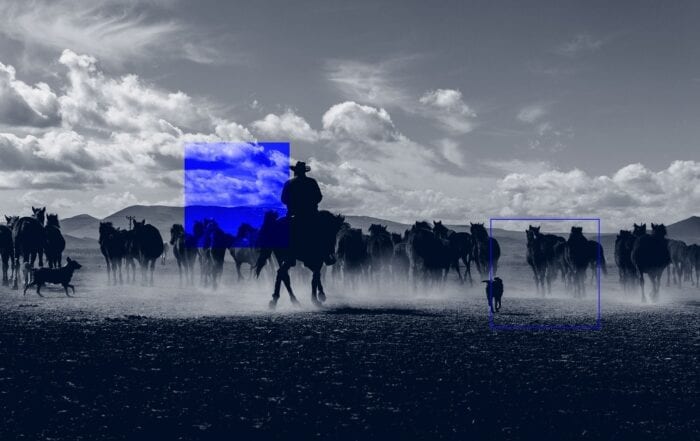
x: 235, y: 183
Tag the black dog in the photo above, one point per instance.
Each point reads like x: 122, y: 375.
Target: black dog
x: 494, y: 291
x: 62, y: 276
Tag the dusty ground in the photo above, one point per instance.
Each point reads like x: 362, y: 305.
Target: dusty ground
x: 167, y: 362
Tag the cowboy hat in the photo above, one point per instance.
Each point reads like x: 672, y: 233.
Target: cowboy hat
x: 300, y: 166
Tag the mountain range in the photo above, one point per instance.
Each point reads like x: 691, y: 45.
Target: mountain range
x: 82, y: 230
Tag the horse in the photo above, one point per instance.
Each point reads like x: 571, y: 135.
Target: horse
x: 215, y: 242
x: 55, y: 243
x: 28, y: 242
x: 678, y: 251
x: 536, y: 257
x: 7, y: 251
x: 148, y: 244
x: 428, y: 255
x: 112, y: 246
x: 185, y: 252
x: 351, y: 252
x: 694, y: 262
x: 650, y: 255
x: 623, y: 257
x: 579, y: 257
x: 380, y: 249
x: 460, y: 246
x: 596, y: 255
x: 485, y: 249
x: 311, y: 244
x: 244, y: 248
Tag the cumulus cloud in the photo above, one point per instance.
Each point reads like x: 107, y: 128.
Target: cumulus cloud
x: 25, y: 105
x: 287, y: 126
x: 448, y: 108
x: 632, y: 193
x: 350, y: 120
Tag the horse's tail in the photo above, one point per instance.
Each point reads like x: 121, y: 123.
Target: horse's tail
x: 264, y: 256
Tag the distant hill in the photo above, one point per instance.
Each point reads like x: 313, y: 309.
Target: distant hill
x: 687, y: 230
x: 85, y: 226
x: 82, y: 225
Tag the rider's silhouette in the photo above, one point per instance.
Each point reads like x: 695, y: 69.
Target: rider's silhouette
x: 301, y: 195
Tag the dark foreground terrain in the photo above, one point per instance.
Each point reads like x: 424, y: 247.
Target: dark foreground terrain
x: 377, y: 372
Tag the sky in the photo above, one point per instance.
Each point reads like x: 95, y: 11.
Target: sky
x: 452, y: 110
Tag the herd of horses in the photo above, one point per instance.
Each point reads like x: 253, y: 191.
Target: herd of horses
x: 424, y: 254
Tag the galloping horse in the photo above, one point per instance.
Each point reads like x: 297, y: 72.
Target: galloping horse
x: 310, y: 244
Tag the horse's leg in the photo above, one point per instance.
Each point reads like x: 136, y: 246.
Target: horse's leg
x: 282, y: 273
x: 315, y: 283
x: 238, y: 270
x: 153, y: 268
x: 641, y: 283
x: 5, y: 266
x: 468, y: 270
x: 321, y: 292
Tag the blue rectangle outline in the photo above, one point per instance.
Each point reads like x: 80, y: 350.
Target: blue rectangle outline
x: 492, y: 325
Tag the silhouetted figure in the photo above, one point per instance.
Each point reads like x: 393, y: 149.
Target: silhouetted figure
x: 55, y: 243
x: 301, y: 195
x: 312, y: 251
x: 623, y: 258
x: 485, y: 249
x: 352, y: 255
x: 494, y: 293
x: 113, y: 248
x: 148, y: 244
x: 679, y: 254
x: 28, y: 242
x: 650, y: 255
x: 185, y: 252
x: 460, y: 246
x: 694, y: 262
x: 429, y: 256
x: 245, y: 248
x: 7, y: 250
x: 62, y: 276
x: 381, y: 249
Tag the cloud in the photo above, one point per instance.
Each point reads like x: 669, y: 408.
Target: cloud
x: 25, y: 105
x: 580, y: 44
x: 287, y: 126
x: 532, y: 113
x: 370, y: 83
x: 350, y: 120
x: 447, y: 107
x: 633, y: 193
x: 115, y: 31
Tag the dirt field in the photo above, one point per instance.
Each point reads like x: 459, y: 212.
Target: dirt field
x: 167, y: 362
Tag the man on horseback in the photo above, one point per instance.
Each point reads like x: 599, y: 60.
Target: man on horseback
x: 301, y: 195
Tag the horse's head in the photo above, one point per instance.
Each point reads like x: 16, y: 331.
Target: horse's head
x: 640, y: 230
x: 624, y: 234
x: 396, y: 238
x: 52, y: 220
x: 176, y: 231
x: 11, y: 220
x: 439, y: 229
x: 576, y: 232
x: 478, y: 230
x: 421, y: 225
x: 658, y: 230
x: 377, y: 229
x: 106, y: 228
x: 139, y: 224
x: 39, y: 214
